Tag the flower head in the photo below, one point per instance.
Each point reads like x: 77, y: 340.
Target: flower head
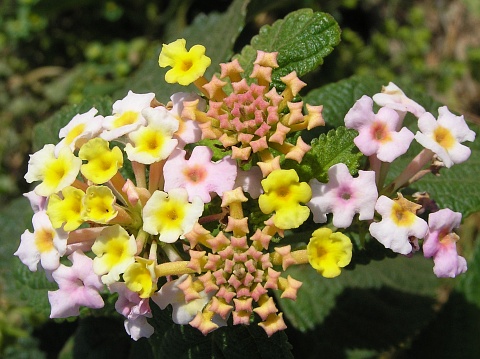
x: 44, y: 246
x: 399, y: 222
x: 188, y: 129
x: 183, y: 311
x: 98, y: 204
x: 445, y: 135
x: 102, y: 162
x: 78, y: 286
x: 171, y: 214
x: 199, y: 175
x: 114, y: 249
x: 127, y: 115
x: 393, y: 97
x: 56, y: 173
x: 329, y: 251
x: 441, y: 243
x: 81, y: 128
x: 186, y: 66
x: 67, y: 209
x: 377, y: 133
x: 343, y: 196
x: 140, y: 277
x: 153, y: 142
x: 283, y: 195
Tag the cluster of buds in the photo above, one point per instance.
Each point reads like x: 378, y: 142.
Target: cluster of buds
x: 170, y: 227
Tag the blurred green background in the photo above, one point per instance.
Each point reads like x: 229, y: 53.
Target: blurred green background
x: 54, y: 53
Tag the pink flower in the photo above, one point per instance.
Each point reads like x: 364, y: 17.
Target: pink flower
x: 188, y: 130
x: 78, y: 286
x: 393, y: 97
x: 135, y: 309
x: 444, y: 136
x: 399, y: 223
x: 377, y: 133
x: 343, y: 196
x: 199, y: 175
x: 440, y: 243
x: 44, y: 246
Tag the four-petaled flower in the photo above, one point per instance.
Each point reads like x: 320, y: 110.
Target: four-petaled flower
x: 329, y: 251
x: 441, y: 243
x: 399, y: 223
x: 78, y: 286
x: 283, y: 195
x: 378, y: 133
x: 445, y: 135
x: 343, y: 196
x: 186, y: 66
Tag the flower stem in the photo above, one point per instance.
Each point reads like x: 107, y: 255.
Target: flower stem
x: 173, y: 268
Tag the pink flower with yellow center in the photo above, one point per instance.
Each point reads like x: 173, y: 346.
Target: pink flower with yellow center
x: 377, y: 133
x: 188, y: 130
x: 445, y: 135
x: 186, y: 66
x: 199, y: 175
x: 283, y: 195
x: 399, y: 223
x: 441, y: 243
x: 343, y: 196
x: 44, y: 246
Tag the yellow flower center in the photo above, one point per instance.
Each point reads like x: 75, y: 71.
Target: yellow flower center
x: 444, y: 137
x: 74, y: 133
x: 402, y: 217
x: 127, y: 118
x: 44, y: 240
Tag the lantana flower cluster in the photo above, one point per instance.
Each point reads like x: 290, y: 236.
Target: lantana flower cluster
x: 161, y: 203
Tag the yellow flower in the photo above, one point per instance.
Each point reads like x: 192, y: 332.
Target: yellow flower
x: 98, y: 204
x: 187, y: 66
x: 329, y: 251
x: 140, y: 277
x: 170, y: 214
x: 114, y: 250
x: 66, y: 210
x: 283, y: 194
x: 56, y: 173
x: 103, y: 162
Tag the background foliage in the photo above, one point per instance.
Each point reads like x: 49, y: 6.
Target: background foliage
x: 79, y: 53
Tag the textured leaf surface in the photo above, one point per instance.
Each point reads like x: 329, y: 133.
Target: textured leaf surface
x: 302, y: 39
x: 217, y: 32
x: 183, y: 341
x: 334, y: 147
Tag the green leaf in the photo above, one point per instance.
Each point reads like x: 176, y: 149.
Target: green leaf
x: 302, y: 39
x: 171, y: 340
x: 47, y: 131
x: 334, y: 147
x: 317, y: 296
x: 217, y: 32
